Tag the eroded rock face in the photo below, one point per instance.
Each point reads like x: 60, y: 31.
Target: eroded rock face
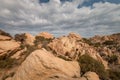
x: 63, y: 46
x: 105, y: 51
x: 4, y: 38
x: 113, y: 37
x: 8, y: 46
x: 74, y: 36
x: 91, y: 76
x: 73, y: 48
x: 29, y: 39
x: 42, y: 65
x: 45, y: 35
x: 18, y: 54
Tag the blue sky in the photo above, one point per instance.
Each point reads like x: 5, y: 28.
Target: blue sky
x: 87, y: 2
x: 60, y: 17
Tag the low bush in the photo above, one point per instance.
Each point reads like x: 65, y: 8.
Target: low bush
x: 87, y: 63
x: 85, y: 40
x: 112, y: 59
x: 97, y: 44
x: 20, y: 37
x: 26, y: 53
x: 40, y: 39
x: 108, y: 42
x: 114, y: 75
x: 7, y: 63
x: 4, y: 33
x: 43, y: 41
x: 118, y: 49
x: 30, y: 49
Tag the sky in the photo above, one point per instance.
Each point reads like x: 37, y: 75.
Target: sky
x: 60, y: 17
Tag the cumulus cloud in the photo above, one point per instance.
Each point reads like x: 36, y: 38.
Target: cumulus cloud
x: 59, y: 18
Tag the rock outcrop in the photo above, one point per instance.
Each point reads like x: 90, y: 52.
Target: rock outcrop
x: 74, y: 36
x: 44, y: 57
x: 45, y: 35
x: 90, y: 76
x: 9, y: 45
x: 42, y: 65
x: 18, y: 54
x: 4, y: 38
x: 29, y: 39
x: 113, y: 37
x: 73, y: 48
x: 6, y: 46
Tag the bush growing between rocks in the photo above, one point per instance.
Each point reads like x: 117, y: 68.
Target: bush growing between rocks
x: 4, y: 33
x: 114, y: 75
x: 91, y: 43
x: 87, y: 63
x: 7, y: 63
x: 108, y: 42
x: 39, y: 39
x: 85, y: 40
x: 29, y: 50
x: 118, y: 49
x: 43, y: 41
x: 20, y: 37
x: 112, y: 59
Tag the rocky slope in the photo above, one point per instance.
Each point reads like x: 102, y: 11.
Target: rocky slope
x: 70, y: 57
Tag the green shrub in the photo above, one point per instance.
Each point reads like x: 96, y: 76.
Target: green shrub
x: 42, y: 40
x: 112, y: 59
x: 85, y: 40
x: 26, y: 53
x: 108, y: 42
x: 22, y: 46
x: 87, y: 63
x: 7, y: 63
x: 114, y: 75
x: 97, y: 44
x: 30, y: 49
x: 20, y: 37
x: 118, y: 49
x: 4, y: 33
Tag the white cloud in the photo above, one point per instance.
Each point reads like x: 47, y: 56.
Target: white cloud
x: 58, y: 18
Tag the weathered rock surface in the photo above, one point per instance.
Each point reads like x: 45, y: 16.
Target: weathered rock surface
x: 90, y: 76
x: 113, y: 37
x: 3, y: 38
x: 74, y: 36
x: 18, y: 54
x: 29, y: 39
x: 47, y: 64
x: 8, y: 46
x: 105, y: 51
x: 73, y: 48
x: 42, y: 65
x: 45, y: 35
